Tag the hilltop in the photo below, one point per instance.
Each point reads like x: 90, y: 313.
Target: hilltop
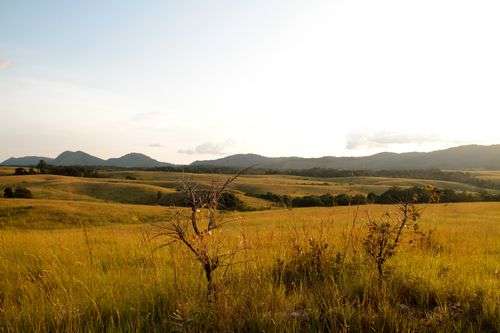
x: 80, y: 158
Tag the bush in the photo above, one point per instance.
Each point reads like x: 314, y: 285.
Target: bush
x: 306, y: 267
x: 229, y: 201
x: 22, y: 192
x: 20, y: 172
x: 359, y: 199
x: 307, y: 201
x: 8, y: 192
x: 18, y: 192
x: 342, y: 200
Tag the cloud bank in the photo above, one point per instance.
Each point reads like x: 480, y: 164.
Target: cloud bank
x: 385, y: 139
x: 207, y: 148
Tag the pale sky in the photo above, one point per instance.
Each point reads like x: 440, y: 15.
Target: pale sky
x: 185, y: 80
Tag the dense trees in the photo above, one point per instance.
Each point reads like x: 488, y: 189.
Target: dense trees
x: 393, y: 195
x: 73, y: 171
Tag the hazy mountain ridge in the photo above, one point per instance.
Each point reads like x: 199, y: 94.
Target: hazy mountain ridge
x: 80, y: 158
x: 462, y: 157
x: 26, y: 161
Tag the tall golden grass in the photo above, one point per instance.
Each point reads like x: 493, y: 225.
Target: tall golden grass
x: 98, y: 276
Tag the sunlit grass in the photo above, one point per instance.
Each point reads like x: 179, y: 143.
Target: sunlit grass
x: 99, y: 275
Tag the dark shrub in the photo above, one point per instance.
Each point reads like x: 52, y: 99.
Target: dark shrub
x: 22, y: 192
x: 20, y: 172
x: 8, y: 192
x: 229, y: 201
x: 342, y: 200
x: 359, y: 199
x: 371, y: 197
x: 307, y: 201
x: 327, y: 199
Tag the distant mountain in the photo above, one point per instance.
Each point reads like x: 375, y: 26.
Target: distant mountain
x: 135, y: 160
x: 26, y: 161
x: 80, y: 158
x: 458, y: 158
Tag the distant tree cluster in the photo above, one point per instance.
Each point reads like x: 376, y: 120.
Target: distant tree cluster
x: 227, y: 201
x: 434, y: 174
x: 17, y: 192
x: 23, y: 172
x: 391, y: 196
x: 72, y: 171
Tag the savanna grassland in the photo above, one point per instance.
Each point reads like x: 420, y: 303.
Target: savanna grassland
x: 82, y: 256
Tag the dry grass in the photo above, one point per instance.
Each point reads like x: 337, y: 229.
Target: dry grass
x: 110, y: 277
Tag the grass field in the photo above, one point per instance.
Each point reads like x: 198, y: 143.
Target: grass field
x: 79, y: 257
x: 85, y: 266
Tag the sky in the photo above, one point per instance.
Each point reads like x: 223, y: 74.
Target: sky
x: 187, y: 80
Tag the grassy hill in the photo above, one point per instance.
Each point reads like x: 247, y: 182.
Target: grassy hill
x: 49, y: 214
x: 87, y: 189
x: 142, y: 187
x: 291, y: 185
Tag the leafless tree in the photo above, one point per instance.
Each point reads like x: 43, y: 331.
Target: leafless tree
x: 198, y: 228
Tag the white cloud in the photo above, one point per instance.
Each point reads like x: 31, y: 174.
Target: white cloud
x: 207, y: 148
x: 143, y: 116
x: 385, y: 139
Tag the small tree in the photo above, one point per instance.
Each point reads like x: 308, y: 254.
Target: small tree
x: 42, y: 166
x: 197, y: 231
x: 384, y: 234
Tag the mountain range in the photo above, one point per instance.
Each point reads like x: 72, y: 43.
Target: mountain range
x: 80, y: 158
x: 457, y: 158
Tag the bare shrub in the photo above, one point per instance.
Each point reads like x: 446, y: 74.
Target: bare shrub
x: 307, y: 266
x: 385, y: 233
x: 199, y: 228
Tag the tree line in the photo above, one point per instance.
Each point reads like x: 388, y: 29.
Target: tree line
x: 417, y: 194
x: 73, y: 171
